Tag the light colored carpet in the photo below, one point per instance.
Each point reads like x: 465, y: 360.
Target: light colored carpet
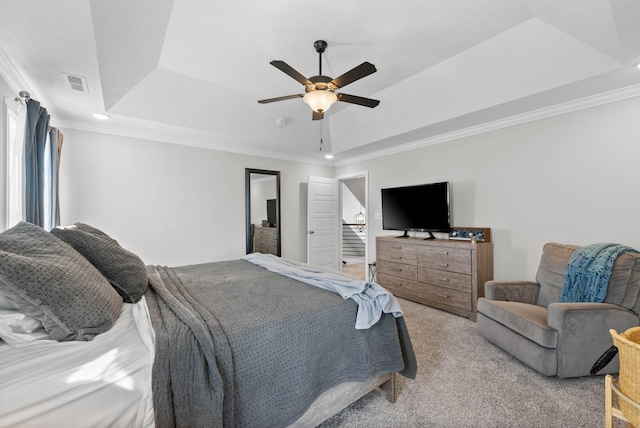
x: 355, y: 268
x: 465, y: 381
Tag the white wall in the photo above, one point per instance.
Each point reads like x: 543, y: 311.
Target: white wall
x: 171, y: 204
x: 5, y: 91
x: 351, y: 206
x: 573, y: 178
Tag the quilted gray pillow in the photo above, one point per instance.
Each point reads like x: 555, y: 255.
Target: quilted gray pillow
x: 126, y: 272
x: 50, y: 281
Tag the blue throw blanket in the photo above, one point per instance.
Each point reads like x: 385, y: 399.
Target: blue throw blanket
x: 588, y: 272
x: 372, y: 298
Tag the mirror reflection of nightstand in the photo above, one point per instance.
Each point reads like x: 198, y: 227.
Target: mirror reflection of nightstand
x: 266, y: 240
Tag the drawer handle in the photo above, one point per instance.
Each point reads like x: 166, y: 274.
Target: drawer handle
x: 442, y: 264
x: 443, y: 252
x: 444, y: 279
x: 446, y: 296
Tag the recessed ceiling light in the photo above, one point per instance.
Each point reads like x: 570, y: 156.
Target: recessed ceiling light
x: 101, y: 116
x: 329, y: 156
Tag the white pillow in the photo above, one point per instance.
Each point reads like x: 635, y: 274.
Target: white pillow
x: 19, y: 329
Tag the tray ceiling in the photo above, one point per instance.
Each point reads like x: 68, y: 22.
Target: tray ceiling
x: 191, y: 71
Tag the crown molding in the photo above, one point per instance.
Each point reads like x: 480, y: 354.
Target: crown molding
x: 10, y: 75
x: 205, y: 141
x: 543, y: 113
x: 189, y: 138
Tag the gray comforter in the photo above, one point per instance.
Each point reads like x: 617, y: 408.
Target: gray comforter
x: 238, y: 346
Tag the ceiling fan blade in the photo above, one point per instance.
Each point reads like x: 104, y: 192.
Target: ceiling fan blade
x: 286, y: 68
x: 353, y: 99
x: 317, y: 116
x: 286, y: 97
x: 363, y: 70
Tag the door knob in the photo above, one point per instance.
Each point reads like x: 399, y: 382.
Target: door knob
x: 311, y: 232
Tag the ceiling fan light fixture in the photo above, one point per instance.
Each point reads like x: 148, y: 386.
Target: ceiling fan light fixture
x: 320, y: 100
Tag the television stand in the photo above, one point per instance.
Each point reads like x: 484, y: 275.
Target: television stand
x: 442, y: 273
x: 431, y: 236
x: 406, y: 235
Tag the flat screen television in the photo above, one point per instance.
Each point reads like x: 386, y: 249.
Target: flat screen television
x: 421, y: 208
x: 271, y: 212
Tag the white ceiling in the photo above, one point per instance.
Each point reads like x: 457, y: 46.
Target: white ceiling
x: 191, y: 71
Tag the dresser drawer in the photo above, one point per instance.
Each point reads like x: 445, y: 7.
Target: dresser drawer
x: 457, y: 281
x: 446, y: 296
x: 262, y: 248
x: 399, y: 286
x: 399, y: 270
x: 443, y: 258
x: 398, y: 252
x: 266, y: 232
x: 266, y: 240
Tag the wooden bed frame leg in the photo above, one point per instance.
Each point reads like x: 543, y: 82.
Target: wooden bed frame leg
x: 389, y: 389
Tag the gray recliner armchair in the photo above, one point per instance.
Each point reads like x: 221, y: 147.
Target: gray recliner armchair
x: 527, y: 319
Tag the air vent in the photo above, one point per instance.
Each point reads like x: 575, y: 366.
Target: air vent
x: 77, y: 83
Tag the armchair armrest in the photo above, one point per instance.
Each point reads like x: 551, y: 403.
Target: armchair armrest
x: 583, y: 333
x: 516, y: 291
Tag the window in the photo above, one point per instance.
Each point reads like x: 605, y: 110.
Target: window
x: 38, y: 204
x: 15, y: 170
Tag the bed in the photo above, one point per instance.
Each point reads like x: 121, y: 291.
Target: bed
x: 93, y: 337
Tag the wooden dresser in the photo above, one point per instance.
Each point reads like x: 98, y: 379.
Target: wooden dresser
x: 445, y: 274
x: 265, y: 240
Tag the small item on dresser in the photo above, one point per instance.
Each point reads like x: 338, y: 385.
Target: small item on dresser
x: 481, y: 234
x: 472, y: 238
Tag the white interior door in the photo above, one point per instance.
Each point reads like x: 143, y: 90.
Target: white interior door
x: 322, y: 222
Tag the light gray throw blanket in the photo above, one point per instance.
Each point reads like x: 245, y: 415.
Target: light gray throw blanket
x: 588, y: 272
x: 239, y: 346
x: 372, y: 299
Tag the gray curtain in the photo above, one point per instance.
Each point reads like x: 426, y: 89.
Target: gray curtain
x: 55, y: 150
x: 38, y: 137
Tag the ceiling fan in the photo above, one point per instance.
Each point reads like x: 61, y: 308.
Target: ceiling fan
x: 320, y: 90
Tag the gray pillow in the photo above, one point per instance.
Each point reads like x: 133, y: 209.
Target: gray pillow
x: 126, y: 272
x: 50, y: 281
